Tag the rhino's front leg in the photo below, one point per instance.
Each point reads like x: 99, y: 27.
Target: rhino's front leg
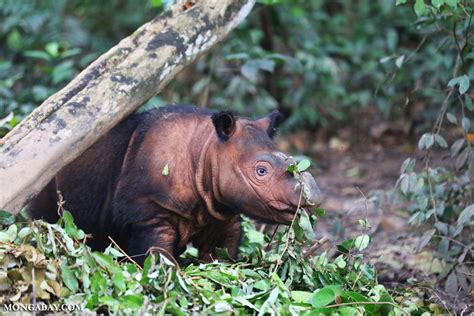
x: 157, y: 237
x: 219, y: 235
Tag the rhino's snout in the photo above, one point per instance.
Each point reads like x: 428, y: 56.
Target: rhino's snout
x: 311, y: 193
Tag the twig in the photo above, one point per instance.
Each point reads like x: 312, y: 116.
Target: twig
x: 454, y: 241
x: 60, y: 204
x: 144, y: 307
x: 287, y: 243
x: 316, y: 245
x: 33, y: 287
x: 366, y: 207
x: 437, y: 296
x: 460, y: 51
x: 9, y: 244
x: 271, y: 239
x: 125, y: 254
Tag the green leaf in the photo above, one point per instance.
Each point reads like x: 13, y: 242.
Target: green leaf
x: 9, y: 234
x: 463, y: 82
x: 451, y: 285
x: 426, y: 141
x: 63, y: 72
x: 437, y: 3
x: 420, y: 8
x: 305, y: 224
x: 320, y: 212
x: 466, y: 215
x: 401, y: 2
x: 132, y: 301
x: 68, y: 277
x: 451, y: 118
x: 303, y: 165
x: 223, y: 306
x: 166, y: 170
x: 255, y: 236
x: 399, y: 61
x: 452, y: 3
x: 156, y: 3
x: 6, y: 218
x: 292, y: 168
x: 325, y: 296
x: 119, y: 281
x: 466, y: 124
x: 346, y: 246
x: 251, y: 67
x: 52, y: 49
x: 237, y: 56
x: 37, y: 54
x: 468, y: 102
x: 404, y: 183
x: 98, y: 282
x: 301, y: 296
x: 408, y: 165
x: 362, y: 242
x: 425, y: 239
x: 364, y: 223
x: 15, y: 40
x: 106, y: 262
x: 340, y: 262
x: 457, y: 146
x: 441, y: 141
x: 70, y: 227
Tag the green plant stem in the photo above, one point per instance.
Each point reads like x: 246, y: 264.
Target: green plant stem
x: 287, y: 242
x: 125, y: 254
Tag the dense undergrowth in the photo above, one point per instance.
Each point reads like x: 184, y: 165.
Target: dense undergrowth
x: 50, y: 264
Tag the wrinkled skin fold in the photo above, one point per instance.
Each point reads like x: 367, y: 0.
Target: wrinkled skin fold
x: 176, y: 175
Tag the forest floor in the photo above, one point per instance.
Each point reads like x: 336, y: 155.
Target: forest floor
x: 356, y: 174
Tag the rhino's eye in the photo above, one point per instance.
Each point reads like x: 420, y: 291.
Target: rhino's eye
x: 261, y: 171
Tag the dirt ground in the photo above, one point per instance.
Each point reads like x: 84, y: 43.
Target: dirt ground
x: 355, y: 172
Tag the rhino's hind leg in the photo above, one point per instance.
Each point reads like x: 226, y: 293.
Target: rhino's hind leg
x: 220, y: 235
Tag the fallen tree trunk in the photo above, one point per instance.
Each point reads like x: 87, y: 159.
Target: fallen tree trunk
x: 107, y: 91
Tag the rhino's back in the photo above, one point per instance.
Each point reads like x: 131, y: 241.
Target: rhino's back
x: 88, y: 184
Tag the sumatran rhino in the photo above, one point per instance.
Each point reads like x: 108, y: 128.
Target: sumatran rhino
x: 176, y: 175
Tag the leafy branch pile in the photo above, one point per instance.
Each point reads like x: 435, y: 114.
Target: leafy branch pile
x: 63, y: 269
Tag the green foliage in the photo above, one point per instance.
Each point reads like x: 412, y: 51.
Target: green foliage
x: 44, y: 44
x: 299, y: 167
x: 276, y: 279
x: 313, y: 60
x: 442, y: 201
x: 440, y: 205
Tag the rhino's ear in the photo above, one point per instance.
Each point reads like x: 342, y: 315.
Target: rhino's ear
x: 274, y: 120
x: 224, y: 123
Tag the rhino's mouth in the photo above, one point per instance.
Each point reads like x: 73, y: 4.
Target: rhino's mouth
x: 280, y: 206
x: 283, y: 207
